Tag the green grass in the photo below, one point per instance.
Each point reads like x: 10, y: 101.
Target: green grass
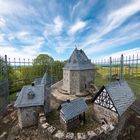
x: 132, y: 76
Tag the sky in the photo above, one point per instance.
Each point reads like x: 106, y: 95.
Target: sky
x: 102, y: 28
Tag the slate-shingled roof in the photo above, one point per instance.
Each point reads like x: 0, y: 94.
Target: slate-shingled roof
x: 73, y: 108
x: 78, y: 61
x: 121, y: 95
x: 24, y: 101
x: 46, y: 80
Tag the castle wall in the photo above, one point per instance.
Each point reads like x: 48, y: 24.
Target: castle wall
x: 66, y: 80
x: 76, y: 81
x: 86, y: 77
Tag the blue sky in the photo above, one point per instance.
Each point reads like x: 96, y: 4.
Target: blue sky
x: 102, y: 28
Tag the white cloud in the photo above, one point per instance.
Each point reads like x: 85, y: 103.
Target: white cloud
x: 54, y: 28
x: 15, y: 7
x: 76, y: 27
x: 125, y: 53
x: 58, y: 24
x: 27, y: 52
x: 114, y: 20
x: 2, y: 22
x: 116, y: 41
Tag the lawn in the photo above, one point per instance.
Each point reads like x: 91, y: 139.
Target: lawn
x: 131, y: 75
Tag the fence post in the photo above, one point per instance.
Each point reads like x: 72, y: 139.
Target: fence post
x: 110, y: 70
x: 121, y: 67
x: 7, y: 79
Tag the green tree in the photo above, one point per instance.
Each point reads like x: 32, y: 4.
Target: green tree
x: 42, y: 63
x: 43, y: 59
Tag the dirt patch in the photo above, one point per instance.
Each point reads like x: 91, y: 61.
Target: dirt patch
x: 9, y: 129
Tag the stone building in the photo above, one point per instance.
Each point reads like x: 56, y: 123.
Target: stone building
x: 112, y: 102
x: 32, y: 99
x: 46, y: 82
x: 29, y: 102
x: 72, y: 113
x: 77, y: 73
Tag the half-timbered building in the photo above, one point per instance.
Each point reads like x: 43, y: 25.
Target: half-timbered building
x: 112, y: 101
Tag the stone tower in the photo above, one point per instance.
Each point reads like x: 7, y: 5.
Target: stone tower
x: 77, y: 73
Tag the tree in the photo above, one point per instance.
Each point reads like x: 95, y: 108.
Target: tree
x: 43, y: 59
x: 42, y: 63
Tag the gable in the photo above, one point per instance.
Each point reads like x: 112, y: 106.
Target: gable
x: 104, y: 100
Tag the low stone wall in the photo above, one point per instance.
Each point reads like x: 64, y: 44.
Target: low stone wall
x: 49, y: 132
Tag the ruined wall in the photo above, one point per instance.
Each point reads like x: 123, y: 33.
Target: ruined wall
x: 101, y: 113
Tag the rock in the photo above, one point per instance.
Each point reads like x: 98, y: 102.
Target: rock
x: 11, y: 137
x: 99, y: 131
x: 132, y: 128
x: 51, y: 130
x: 81, y: 136
x: 3, y: 136
x: 105, y: 128
x: 6, y: 121
x: 28, y: 138
x: 15, y: 130
x: 41, y: 114
x: 111, y: 127
x: 70, y: 136
x: 59, y: 135
x: 91, y: 135
x: 138, y: 116
x: 45, y: 125
x: 42, y: 119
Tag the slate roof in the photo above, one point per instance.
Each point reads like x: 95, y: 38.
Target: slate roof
x: 24, y: 101
x: 121, y: 95
x: 78, y: 61
x: 73, y: 108
x: 46, y: 80
x: 37, y: 81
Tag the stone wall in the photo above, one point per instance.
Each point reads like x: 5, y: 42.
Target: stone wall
x: 27, y: 116
x: 66, y: 80
x: 77, y: 81
x: 101, y: 114
x: 50, y: 132
x: 47, y: 100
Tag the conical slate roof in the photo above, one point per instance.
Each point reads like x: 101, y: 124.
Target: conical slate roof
x: 78, y: 61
